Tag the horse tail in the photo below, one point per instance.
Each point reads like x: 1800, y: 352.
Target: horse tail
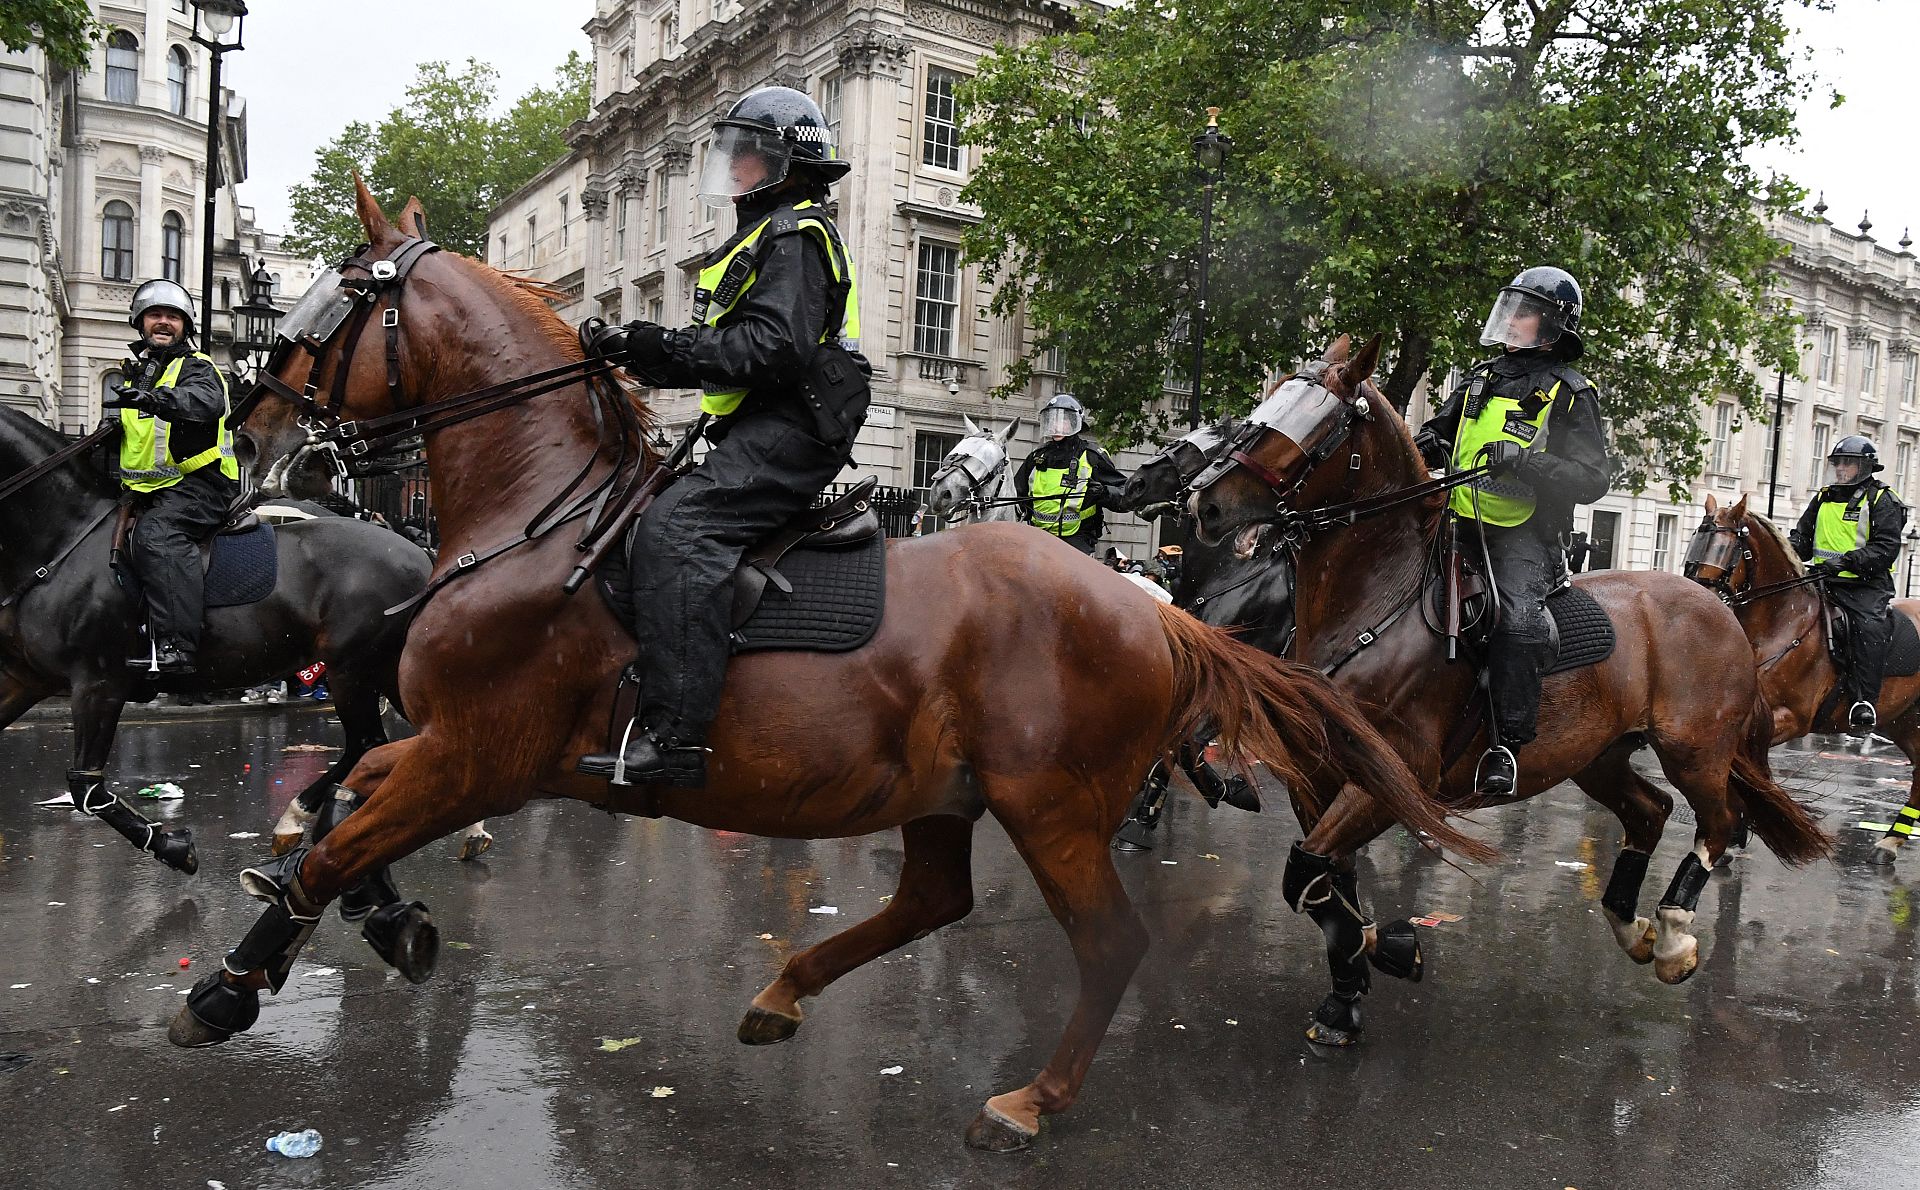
x: 1782, y: 823
x: 1294, y: 719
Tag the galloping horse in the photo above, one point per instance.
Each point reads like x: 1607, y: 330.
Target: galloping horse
x: 1023, y: 680
x: 1746, y: 559
x: 1326, y: 440
x: 974, y: 480
x: 66, y: 626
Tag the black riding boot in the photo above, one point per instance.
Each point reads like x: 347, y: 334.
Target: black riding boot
x: 1499, y: 774
x: 645, y: 760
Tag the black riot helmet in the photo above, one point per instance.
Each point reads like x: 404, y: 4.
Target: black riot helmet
x: 1062, y: 417
x: 1538, y: 309
x: 764, y: 138
x: 1854, y: 448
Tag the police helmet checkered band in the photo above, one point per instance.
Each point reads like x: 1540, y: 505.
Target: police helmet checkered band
x: 1062, y: 417
x: 744, y: 160
x: 1523, y: 320
x: 160, y: 293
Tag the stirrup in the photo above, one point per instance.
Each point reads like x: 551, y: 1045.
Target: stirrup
x: 1480, y: 772
x: 1862, y: 719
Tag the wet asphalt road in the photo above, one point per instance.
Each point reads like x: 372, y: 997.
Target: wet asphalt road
x: 591, y: 962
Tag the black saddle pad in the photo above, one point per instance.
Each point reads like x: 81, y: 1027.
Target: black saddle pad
x: 1584, y: 629
x: 839, y: 596
x: 243, y: 569
x: 1903, y: 658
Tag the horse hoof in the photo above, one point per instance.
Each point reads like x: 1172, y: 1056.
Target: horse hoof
x: 215, y: 1010
x: 174, y: 848
x: 285, y: 843
x: 761, y: 1027
x: 474, y: 846
x: 993, y: 1132
x: 1133, y: 838
x: 1678, y: 968
x: 404, y: 935
x: 1642, y: 951
x: 291, y: 829
x: 1331, y: 1037
x: 1886, y: 850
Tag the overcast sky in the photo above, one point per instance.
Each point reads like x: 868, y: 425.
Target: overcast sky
x: 310, y: 68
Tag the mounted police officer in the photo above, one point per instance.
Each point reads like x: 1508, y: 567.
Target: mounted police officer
x: 773, y: 302
x: 1068, y: 480
x: 177, y: 461
x: 1852, y: 532
x: 1536, y: 421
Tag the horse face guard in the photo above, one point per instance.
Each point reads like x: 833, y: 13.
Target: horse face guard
x: 1310, y: 418
x: 978, y: 458
x: 1716, y: 554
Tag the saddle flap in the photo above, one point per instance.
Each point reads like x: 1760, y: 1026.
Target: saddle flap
x: 846, y: 521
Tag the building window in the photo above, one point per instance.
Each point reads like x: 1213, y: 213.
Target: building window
x: 1722, y: 434
x: 1054, y: 360
x: 177, y: 81
x: 830, y: 105
x: 657, y: 310
x: 226, y: 293
x: 1829, y: 351
x: 1909, y: 372
x: 610, y: 309
x: 936, y: 299
x: 116, y: 242
x: 533, y: 239
x: 702, y: 209
x: 1904, y: 459
x: 940, y: 130
x: 1775, y: 429
x: 564, y: 235
x: 1870, y: 368
x: 1606, y: 531
x: 670, y: 29
x: 1665, y: 526
x: 501, y: 260
x: 123, y: 67
x: 660, y: 208
x: 108, y: 383
x: 172, y: 241
x: 619, y: 228
x: 626, y: 69
x: 1822, y: 434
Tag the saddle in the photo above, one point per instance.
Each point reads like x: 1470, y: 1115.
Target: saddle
x: 1903, y: 652
x: 240, y: 563
x: 1580, y: 629
x: 818, y: 584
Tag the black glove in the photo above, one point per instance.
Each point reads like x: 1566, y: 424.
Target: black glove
x: 1433, y: 452
x: 126, y: 396
x: 1502, y: 458
x: 645, y: 348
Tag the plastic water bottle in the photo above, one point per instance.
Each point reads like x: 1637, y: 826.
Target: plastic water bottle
x: 295, y: 1144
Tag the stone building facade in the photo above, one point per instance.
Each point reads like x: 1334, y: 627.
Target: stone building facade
x: 617, y: 225
x: 102, y: 186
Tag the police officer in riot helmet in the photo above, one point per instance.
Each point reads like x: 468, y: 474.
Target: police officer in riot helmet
x: 1068, y: 480
x: 765, y: 303
x: 1851, y: 534
x: 1535, y: 422
x: 177, y: 462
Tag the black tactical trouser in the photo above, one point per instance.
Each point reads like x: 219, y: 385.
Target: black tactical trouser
x: 766, y: 471
x: 164, y: 551
x: 1084, y: 540
x: 1525, y: 568
x: 1869, y: 615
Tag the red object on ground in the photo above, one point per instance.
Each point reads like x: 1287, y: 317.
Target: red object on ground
x: 185, y: 962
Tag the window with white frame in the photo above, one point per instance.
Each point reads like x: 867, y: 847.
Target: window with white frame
x: 123, y: 67
x: 1822, y: 436
x: 660, y: 208
x: 1774, y: 431
x: 940, y: 126
x: 501, y: 258
x: 172, y: 242
x: 116, y: 242
x: 1903, y: 459
x: 626, y: 69
x: 830, y: 104
x: 1666, y: 527
x: 936, y: 307
x: 1054, y: 360
x: 703, y: 210
x: 1829, y: 353
x: 1909, y: 372
x: 657, y: 310
x: 669, y: 27
x: 1870, y: 368
x: 1722, y: 438
x: 177, y: 81
x: 533, y: 239
x: 620, y: 204
x: 564, y: 233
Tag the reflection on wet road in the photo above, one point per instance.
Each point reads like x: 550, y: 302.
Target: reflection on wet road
x: 579, y: 1031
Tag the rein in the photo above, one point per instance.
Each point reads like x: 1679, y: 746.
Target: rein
x: 58, y: 459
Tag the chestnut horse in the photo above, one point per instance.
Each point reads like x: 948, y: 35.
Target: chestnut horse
x: 1739, y: 554
x: 1012, y: 676
x: 1325, y: 438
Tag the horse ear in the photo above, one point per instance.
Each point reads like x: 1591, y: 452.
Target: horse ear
x: 413, y: 217
x: 1740, y: 509
x: 1359, y: 370
x: 1713, y: 506
x: 372, y: 219
x: 973, y: 430
x: 1338, y: 351
x: 1006, y: 433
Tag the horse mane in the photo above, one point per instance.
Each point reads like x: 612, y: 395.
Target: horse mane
x: 1780, y: 538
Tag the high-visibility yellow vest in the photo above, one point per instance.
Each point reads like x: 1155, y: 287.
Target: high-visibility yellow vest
x: 1505, y: 501
x: 722, y: 284
x: 146, y: 456
x: 1060, y: 495
x: 1843, y: 526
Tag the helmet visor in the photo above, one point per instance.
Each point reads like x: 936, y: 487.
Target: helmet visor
x: 1846, y: 469
x: 742, y: 161
x: 1059, y: 422
x: 1521, y: 320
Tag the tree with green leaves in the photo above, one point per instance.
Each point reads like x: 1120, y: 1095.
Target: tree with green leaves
x: 1396, y: 162
x: 64, y: 28
x: 444, y: 145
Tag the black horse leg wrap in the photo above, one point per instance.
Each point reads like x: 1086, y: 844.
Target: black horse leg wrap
x: 1623, y: 889
x: 173, y: 847
x: 1684, y: 892
x: 371, y: 891
x: 275, y: 940
x: 1331, y: 899
x: 334, y: 810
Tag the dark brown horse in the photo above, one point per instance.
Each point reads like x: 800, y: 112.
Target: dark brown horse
x: 1680, y: 679
x: 1012, y: 676
x: 1739, y: 553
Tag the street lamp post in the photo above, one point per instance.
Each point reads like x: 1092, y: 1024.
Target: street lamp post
x: 1210, y: 151
x: 255, y: 317
x: 1773, y: 472
x: 220, y: 18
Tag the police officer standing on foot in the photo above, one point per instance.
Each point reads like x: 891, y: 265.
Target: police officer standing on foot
x: 773, y: 306
x: 1536, y: 421
x: 176, y: 458
x: 1068, y: 480
x: 1852, y: 533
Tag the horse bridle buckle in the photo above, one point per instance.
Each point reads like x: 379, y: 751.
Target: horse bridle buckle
x: 384, y: 270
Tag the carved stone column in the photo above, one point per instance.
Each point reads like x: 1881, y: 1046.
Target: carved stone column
x: 85, y: 239
x: 146, y: 259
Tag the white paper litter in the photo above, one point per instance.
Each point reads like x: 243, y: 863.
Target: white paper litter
x: 1575, y: 864
x: 324, y: 971
x: 244, y: 835
x: 827, y: 910
x: 62, y: 799
x: 891, y: 1069
x: 18, y: 986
